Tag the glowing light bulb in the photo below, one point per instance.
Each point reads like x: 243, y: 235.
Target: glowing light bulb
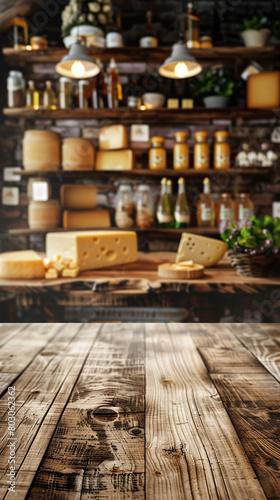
x: 181, y: 70
x: 78, y: 69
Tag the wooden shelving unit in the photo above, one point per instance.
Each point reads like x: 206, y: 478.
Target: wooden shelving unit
x: 153, y: 230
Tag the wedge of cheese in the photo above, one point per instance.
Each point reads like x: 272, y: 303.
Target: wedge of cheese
x: 93, y: 249
x: 113, y: 137
x: 201, y: 250
x: 21, y: 265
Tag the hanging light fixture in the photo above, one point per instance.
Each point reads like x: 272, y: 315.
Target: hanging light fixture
x: 180, y: 64
x: 77, y: 63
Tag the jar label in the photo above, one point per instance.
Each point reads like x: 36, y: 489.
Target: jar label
x: 148, y: 41
x: 244, y: 213
x: 222, y: 160
x: 226, y: 213
x: 180, y: 159
x: 157, y: 160
x: 202, y: 160
x: 164, y: 217
x: 182, y: 217
x: 207, y: 213
x: 114, y: 40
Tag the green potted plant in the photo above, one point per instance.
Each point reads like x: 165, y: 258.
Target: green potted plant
x: 254, y: 245
x: 214, y: 88
x: 256, y: 30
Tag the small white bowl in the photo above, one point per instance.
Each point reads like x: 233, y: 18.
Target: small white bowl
x: 153, y: 100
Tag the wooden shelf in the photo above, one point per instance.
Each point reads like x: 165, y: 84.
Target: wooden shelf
x: 153, y: 230
x: 137, y: 54
x: 149, y: 116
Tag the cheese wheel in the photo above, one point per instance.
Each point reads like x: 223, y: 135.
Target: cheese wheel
x: 77, y: 154
x: 44, y: 214
x: 78, y: 196
x: 115, y: 160
x: 21, y: 265
x: 41, y: 150
x: 113, y: 137
x: 86, y: 219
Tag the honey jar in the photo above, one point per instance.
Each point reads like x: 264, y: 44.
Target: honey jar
x: 181, y: 151
x: 201, y: 151
x: 221, y: 151
x: 157, y: 154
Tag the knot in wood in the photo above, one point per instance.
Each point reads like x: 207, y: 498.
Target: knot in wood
x: 105, y: 414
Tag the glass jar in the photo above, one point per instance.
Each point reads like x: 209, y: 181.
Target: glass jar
x: 157, y: 154
x: 144, y: 208
x: 65, y: 92
x: 206, y: 42
x: 181, y: 151
x: 225, y: 208
x: 221, y: 151
x: 244, y: 207
x: 266, y: 157
x: 124, y: 214
x: 15, y: 90
x: 201, y: 151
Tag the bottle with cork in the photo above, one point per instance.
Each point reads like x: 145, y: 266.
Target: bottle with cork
x: 182, y: 211
x: 114, y: 88
x: 32, y: 96
x: 165, y: 216
x: 206, y: 206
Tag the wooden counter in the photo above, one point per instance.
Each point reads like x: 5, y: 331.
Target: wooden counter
x: 155, y: 412
x: 139, y: 286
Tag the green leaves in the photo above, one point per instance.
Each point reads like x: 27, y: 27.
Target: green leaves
x: 219, y: 83
x: 259, y: 22
x: 261, y: 234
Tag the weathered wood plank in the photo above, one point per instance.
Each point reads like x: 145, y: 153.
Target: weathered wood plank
x: 97, y: 451
x: 193, y: 450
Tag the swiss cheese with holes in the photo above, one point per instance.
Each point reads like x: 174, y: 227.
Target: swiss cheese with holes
x: 93, y: 249
x: 201, y: 250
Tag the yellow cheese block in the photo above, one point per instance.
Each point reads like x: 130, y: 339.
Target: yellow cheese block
x: 201, y: 250
x: 78, y: 196
x: 41, y: 150
x: 86, y: 219
x: 21, y: 265
x: 113, y: 137
x: 263, y: 90
x: 115, y: 160
x: 94, y: 249
x: 77, y: 154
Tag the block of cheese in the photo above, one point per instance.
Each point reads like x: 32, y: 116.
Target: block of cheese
x: 201, y: 250
x: 263, y: 90
x: 41, y: 150
x: 77, y: 154
x: 21, y: 265
x: 115, y: 160
x: 78, y: 196
x: 86, y: 219
x: 94, y: 249
x: 113, y: 137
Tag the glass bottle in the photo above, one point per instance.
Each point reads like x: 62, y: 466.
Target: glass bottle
x: 221, y: 151
x: 20, y: 33
x: 32, y: 96
x: 181, y: 151
x: 206, y: 207
x: 124, y: 214
x: 165, y: 216
x: 65, y: 92
x: 114, y: 38
x: 157, y: 154
x: 84, y: 88
x: 244, y: 207
x: 150, y: 38
x: 49, y: 96
x: 144, y: 208
x: 182, y: 211
x: 225, y: 208
x: 101, y: 86
x: 114, y: 86
x: 192, y: 35
x: 169, y: 190
x: 201, y: 151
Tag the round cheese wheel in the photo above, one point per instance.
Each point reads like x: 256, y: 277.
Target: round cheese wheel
x: 77, y: 154
x: 41, y: 150
x: 44, y: 214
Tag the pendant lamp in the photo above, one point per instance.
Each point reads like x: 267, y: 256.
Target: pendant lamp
x: 180, y: 64
x: 77, y: 63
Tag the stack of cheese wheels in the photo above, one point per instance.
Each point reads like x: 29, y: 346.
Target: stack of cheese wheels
x: 41, y: 150
x: 44, y: 214
x: 80, y: 201
x: 77, y: 154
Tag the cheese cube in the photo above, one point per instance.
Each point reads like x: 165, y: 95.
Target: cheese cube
x: 263, y: 90
x: 21, y: 265
x: 78, y: 197
x: 94, y: 249
x: 113, y: 137
x: 70, y: 273
x: 51, y: 274
x: 86, y: 219
x: 201, y: 250
x: 115, y: 160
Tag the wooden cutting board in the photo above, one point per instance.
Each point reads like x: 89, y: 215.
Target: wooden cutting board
x: 173, y: 271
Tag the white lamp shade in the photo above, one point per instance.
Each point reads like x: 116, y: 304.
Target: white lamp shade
x: 77, y: 54
x: 180, y: 55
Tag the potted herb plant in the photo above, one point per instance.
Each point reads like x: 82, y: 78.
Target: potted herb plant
x: 214, y: 88
x: 255, y: 31
x: 254, y: 245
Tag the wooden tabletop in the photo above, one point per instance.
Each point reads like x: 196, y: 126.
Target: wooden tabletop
x: 131, y: 411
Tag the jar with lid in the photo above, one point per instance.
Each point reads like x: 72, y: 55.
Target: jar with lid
x: 221, y: 151
x: 144, y: 207
x: 266, y: 157
x: 84, y: 91
x: 206, y: 42
x: 244, y: 207
x: 16, y: 90
x: 124, y: 211
x: 157, y: 154
x: 201, y: 151
x: 246, y: 157
x: 225, y: 208
x: 181, y: 151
